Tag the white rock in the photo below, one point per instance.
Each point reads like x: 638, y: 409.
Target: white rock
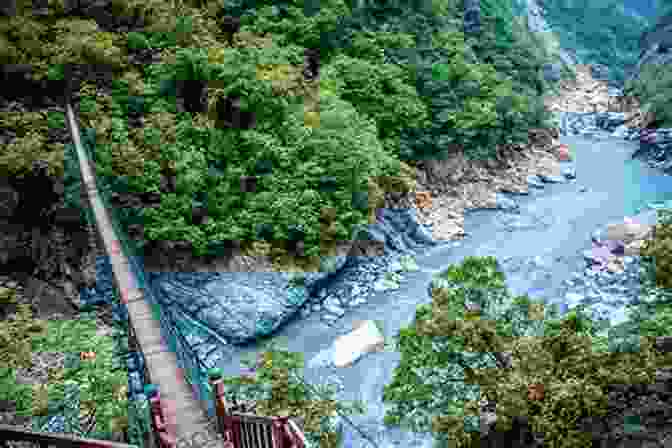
x: 365, y: 338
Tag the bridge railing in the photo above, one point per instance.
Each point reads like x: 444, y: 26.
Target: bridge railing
x: 249, y: 430
x: 48, y: 439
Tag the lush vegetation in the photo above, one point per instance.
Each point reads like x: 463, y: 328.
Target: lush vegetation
x: 397, y: 84
x: 654, y: 91
x: 99, y: 383
x: 31, y: 143
x: 449, y: 359
x: 452, y: 355
x: 601, y: 32
x: 273, y: 383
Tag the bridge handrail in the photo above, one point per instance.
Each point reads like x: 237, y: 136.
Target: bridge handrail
x: 281, y: 432
x: 60, y: 440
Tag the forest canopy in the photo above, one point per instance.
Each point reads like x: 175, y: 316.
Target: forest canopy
x: 398, y: 83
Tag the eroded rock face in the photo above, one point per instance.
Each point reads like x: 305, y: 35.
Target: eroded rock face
x: 584, y: 95
x: 472, y: 16
x: 600, y: 72
x: 655, y: 46
x: 552, y: 72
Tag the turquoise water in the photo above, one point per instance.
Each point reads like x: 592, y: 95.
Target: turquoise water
x: 645, y: 187
x: 637, y: 183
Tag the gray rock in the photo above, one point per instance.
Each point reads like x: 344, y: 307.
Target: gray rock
x: 550, y: 179
x: 241, y: 306
x: 569, y: 172
x: 551, y: 72
x: 398, y: 229
x: 235, y: 305
x: 505, y: 203
x: 472, y: 16
x: 535, y: 181
x: 600, y: 72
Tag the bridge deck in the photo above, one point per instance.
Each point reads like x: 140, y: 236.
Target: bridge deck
x: 187, y: 421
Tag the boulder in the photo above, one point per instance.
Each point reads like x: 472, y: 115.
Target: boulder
x: 552, y: 72
x: 600, y: 72
x: 628, y: 232
x: 365, y: 337
x: 472, y: 16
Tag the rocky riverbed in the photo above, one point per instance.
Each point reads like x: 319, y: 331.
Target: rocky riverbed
x: 540, y: 240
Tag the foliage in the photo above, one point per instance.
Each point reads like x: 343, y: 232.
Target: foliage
x: 653, y: 88
x: 381, y: 84
x: 137, y: 41
x: 16, y: 335
x: 290, y: 23
x: 100, y: 384
x: 447, y: 351
x: 600, y: 30
x: 293, y: 153
x: 381, y: 92
x: 31, y: 144
x: 473, y: 107
x: 272, y: 381
x: 659, y: 250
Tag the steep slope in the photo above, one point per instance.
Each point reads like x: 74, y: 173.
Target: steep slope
x: 599, y: 32
x: 583, y: 94
x: 650, y: 81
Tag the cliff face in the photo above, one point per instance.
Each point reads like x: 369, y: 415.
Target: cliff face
x: 536, y: 23
x: 42, y: 240
x: 655, y: 46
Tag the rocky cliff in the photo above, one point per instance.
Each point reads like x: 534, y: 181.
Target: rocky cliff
x: 655, y: 46
x: 536, y: 23
x: 638, y: 102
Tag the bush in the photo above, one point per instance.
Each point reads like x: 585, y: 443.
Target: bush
x: 344, y: 145
x: 381, y: 92
x: 137, y: 41
x: 557, y: 375
x: 659, y: 251
x: 654, y: 90
x: 601, y: 32
x: 271, y: 380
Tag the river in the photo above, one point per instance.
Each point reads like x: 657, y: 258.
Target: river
x: 554, y: 225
